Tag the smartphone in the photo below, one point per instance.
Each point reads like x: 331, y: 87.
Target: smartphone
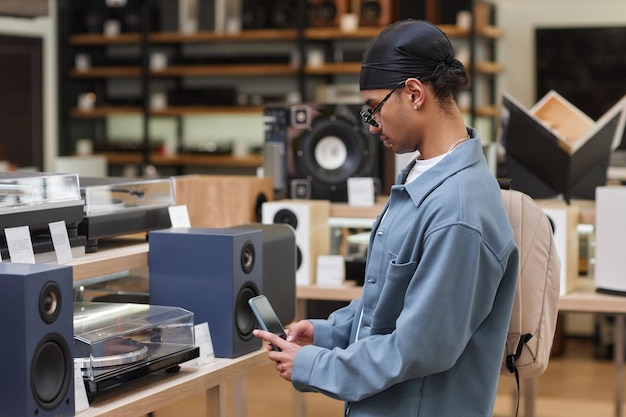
x: 266, y: 316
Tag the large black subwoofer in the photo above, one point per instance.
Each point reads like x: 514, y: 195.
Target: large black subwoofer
x: 36, y: 306
x: 322, y: 144
x: 212, y: 273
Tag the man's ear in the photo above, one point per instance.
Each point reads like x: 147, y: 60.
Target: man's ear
x: 417, y: 92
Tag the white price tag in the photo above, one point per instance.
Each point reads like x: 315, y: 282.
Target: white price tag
x: 20, y: 245
x: 361, y: 191
x: 61, y: 242
x: 331, y: 270
x: 81, y: 402
x: 179, y: 216
x: 203, y: 340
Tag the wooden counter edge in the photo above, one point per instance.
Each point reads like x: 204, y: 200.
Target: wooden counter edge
x: 158, y: 390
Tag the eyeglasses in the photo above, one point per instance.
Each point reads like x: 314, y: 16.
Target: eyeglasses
x: 368, y: 115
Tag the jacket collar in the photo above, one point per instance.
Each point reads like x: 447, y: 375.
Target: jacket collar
x: 470, y: 153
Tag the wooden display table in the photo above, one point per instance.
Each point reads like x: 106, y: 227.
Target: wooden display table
x: 158, y: 390
x: 585, y: 299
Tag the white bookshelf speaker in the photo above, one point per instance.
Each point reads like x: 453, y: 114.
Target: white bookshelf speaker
x: 610, y: 272
x: 309, y: 219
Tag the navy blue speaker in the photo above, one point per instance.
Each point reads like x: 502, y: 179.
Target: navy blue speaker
x: 279, y: 267
x: 37, y: 370
x: 212, y: 273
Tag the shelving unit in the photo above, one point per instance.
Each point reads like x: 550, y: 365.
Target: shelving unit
x: 186, y: 70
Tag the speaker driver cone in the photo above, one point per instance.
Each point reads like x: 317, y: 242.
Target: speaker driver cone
x: 50, y: 302
x: 51, y: 371
x: 247, y: 257
x: 332, y: 151
x: 244, y: 317
x: 286, y: 216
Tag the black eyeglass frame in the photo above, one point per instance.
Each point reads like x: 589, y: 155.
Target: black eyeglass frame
x: 368, y: 114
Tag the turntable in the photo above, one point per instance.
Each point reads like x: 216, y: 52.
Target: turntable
x: 35, y: 199
x: 120, y: 206
x: 116, y: 343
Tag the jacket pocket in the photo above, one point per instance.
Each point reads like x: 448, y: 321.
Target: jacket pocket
x: 391, y: 301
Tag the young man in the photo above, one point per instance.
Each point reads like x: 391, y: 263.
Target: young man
x: 427, y: 336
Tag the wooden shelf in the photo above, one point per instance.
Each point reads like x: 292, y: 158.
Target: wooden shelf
x: 488, y: 67
x: 483, y: 111
x: 326, y: 34
x: 99, y: 112
x: 250, y: 161
x: 191, y: 110
x: 243, y: 36
x: 250, y: 70
x: 101, y: 39
x: 334, y: 68
x: 173, y: 111
x: 104, y: 72
x: 321, y: 34
x: 157, y: 390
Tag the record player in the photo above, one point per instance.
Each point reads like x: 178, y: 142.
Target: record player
x: 116, y: 343
x: 120, y: 206
x: 35, y: 199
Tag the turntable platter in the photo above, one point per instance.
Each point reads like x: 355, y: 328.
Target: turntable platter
x: 118, y: 351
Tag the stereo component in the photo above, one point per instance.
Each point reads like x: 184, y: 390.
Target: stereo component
x: 38, y: 340
x: 213, y: 273
x: 309, y: 220
x: 323, y: 143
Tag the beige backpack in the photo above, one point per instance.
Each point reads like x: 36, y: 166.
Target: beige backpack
x: 535, y: 309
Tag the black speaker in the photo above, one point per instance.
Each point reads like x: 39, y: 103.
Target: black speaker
x: 327, y: 12
x: 269, y: 14
x: 212, y: 273
x: 375, y: 13
x: 324, y: 143
x: 36, y: 306
x: 279, y: 267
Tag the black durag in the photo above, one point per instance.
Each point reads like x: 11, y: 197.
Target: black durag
x: 407, y: 49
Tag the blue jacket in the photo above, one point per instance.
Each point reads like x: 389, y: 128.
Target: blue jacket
x: 426, y: 337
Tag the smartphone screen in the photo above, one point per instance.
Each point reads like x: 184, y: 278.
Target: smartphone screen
x: 266, y: 316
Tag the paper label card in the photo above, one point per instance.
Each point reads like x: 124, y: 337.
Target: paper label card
x: 179, y: 216
x: 331, y: 270
x: 361, y: 191
x: 81, y: 403
x: 61, y: 242
x: 203, y: 340
x: 20, y: 245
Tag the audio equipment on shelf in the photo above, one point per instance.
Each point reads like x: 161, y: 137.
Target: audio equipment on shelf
x: 327, y: 12
x: 38, y: 340
x: 309, y: 219
x: 269, y: 14
x: 279, y: 267
x: 323, y: 143
x: 213, y: 273
x: 115, y: 343
x: 223, y: 200
x: 375, y: 13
